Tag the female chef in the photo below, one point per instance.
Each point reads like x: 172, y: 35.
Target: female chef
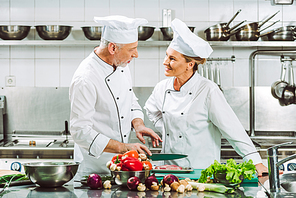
x: 191, y: 111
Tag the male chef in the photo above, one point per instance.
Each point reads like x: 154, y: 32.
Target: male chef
x: 104, y: 107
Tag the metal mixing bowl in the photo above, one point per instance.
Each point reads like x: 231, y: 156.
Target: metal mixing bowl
x: 53, y: 32
x: 221, y: 178
x: 50, y: 174
x: 168, y: 32
x: 14, y: 32
x: 145, y: 32
x: 92, y: 32
x: 121, y: 177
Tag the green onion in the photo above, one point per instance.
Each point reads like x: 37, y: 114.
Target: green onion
x: 219, y: 188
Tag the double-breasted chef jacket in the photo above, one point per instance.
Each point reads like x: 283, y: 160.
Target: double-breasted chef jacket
x: 192, y: 121
x: 103, y: 105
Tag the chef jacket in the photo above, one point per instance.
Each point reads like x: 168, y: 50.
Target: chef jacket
x: 103, y: 105
x: 192, y: 121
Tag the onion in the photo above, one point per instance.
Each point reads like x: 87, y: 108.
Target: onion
x: 149, y: 180
x: 170, y: 178
x: 133, y: 182
x: 94, y: 181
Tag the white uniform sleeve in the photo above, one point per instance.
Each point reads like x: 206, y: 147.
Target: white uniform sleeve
x: 83, y: 99
x: 222, y: 116
x: 153, y: 112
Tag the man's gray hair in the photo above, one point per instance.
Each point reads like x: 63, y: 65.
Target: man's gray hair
x: 104, y: 43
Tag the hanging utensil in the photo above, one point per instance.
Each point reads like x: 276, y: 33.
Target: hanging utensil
x: 218, y: 77
x: 211, y: 72
x: 278, y: 86
x: 200, y: 69
x: 288, y: 95
x: 206, y: 73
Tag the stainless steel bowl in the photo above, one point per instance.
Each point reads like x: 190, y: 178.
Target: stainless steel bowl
x: 145, y: 32
x: 14, y: 32
x: 53, y: 32
x: 92, y: 32
x: 168, y: 32
x: 121, y: 177
x: 50, y: 174
x: 221, y: 178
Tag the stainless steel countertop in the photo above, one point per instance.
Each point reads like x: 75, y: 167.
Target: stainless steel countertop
x: 77, y: 190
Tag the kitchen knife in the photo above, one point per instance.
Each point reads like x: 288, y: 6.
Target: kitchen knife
x: 166, y: 156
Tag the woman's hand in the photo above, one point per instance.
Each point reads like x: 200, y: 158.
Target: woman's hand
x: 261, y: 169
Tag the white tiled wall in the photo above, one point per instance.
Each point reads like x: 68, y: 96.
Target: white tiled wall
x: 53, y: 66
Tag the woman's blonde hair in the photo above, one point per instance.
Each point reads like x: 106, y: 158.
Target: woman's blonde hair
x: 197, y: 61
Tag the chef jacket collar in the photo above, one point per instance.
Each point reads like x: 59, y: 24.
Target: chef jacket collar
x: 189, y: 84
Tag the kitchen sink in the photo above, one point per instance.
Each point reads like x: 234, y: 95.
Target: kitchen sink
x: 288, y: 182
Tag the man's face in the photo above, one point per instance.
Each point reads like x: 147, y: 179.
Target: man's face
x: 125, y: 53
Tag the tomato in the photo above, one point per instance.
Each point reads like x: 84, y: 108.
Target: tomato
x: 131, y: 153
x: 114, y: 158
x: 147, y: 164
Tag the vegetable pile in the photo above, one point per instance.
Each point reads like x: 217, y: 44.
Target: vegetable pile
x: 132, y: 161
x: 232, y: 170
x: 129, y: 161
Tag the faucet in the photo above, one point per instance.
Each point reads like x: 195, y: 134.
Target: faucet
x: 273, y: 166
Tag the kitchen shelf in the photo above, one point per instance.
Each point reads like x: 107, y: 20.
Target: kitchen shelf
x: 147, y: 43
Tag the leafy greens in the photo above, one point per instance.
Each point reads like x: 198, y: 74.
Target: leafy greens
x: 232, y: 170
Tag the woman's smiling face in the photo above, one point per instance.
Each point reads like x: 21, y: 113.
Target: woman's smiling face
x: 175, y: 64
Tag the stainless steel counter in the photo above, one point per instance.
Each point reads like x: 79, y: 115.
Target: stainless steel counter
x: 77, y: 190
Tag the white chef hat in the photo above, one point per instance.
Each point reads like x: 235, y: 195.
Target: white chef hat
x: 187, y: 43
x: 120, y: 29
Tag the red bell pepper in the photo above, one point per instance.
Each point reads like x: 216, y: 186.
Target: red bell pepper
x: 116, y: 158
x: 131, y: 164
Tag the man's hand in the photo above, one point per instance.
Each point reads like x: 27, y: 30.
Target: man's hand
x: 142, y: 131
x: 140, y: 148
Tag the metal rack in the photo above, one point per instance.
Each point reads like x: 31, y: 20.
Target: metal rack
x: 232, y: 59
x: 149, y: 43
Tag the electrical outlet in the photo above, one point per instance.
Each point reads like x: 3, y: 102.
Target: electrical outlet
x: 10, y: 81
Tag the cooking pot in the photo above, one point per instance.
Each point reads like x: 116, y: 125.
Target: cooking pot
x: 251, y: 31
x: 282, y: 36
x: 214, y: 34
x: 221, y: 31
x: 278, y: 86
x: 287, y: 33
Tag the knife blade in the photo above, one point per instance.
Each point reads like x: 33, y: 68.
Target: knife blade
x: 166, y: 156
